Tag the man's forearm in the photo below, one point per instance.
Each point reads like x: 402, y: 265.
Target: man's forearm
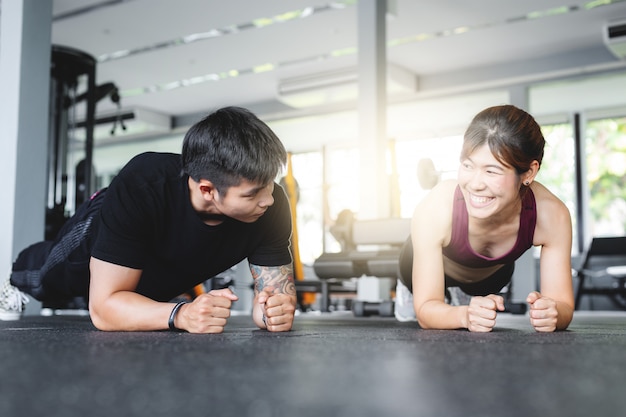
x: 273, y: 279
x: 128, y: 311
x: 275, y: 299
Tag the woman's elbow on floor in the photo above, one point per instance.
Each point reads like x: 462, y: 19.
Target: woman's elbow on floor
x: 97, y: 320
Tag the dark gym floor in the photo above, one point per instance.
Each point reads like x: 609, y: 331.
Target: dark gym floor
x: 331, y: 364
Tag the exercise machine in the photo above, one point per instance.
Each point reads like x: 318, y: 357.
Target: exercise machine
x: 370, y: 256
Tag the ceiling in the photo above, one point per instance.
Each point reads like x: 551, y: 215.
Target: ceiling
x: 187, y: 57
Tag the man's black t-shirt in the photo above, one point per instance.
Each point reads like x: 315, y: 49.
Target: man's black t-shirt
x: 147, y: 222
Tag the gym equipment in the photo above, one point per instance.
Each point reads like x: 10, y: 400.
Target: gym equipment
x: 603, y: 271
x: 71, y: 70
x: 427, y: 175
x: 373, y: 297
x: 515, y: 308
x: 293, y: 193
x: 371, y: 252
x: 366, y: 309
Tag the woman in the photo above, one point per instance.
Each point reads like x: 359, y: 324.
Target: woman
x: 469, y: 232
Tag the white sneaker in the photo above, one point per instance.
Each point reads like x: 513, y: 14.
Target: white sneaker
x: 403, y: 308
x: 12, y: 302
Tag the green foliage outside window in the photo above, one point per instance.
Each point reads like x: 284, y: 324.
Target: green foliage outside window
x: 558, y: 166
x: 605, y: 143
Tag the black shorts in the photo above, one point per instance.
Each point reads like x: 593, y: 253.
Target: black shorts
x: 493, y: 284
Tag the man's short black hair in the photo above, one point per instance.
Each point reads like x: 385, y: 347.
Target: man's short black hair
x: 232, y: 144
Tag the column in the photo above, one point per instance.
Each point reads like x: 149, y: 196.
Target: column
x: 372, y: 110
x: 24, y: 83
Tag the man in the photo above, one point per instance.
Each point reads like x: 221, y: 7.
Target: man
x: 168, y: 222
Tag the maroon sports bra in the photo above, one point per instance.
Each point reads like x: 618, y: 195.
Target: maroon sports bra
x: 459, y: 249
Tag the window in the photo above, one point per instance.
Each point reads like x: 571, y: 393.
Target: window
x: 307, y: 170
x: 605, y: 167
x: 342, y: 189
x: 557, y: 171
x: 605, y: 145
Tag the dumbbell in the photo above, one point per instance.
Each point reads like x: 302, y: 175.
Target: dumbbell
x: 366, y: 309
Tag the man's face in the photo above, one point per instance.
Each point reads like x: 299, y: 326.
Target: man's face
x: 246, y: 202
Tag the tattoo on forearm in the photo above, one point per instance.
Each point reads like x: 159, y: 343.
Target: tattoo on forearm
x: 276, y: 279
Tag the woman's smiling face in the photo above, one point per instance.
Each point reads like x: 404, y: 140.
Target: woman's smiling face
x: 487, y: 184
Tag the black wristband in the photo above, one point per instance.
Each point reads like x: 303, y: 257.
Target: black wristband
x: 170, y: 322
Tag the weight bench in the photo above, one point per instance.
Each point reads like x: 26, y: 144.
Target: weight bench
x: 376, y: 250
x: 603, y: 271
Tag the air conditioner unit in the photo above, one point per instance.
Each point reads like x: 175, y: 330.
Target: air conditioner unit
x: 615, y: 37
x: 339, y: 86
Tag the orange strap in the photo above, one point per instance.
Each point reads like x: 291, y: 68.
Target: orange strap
x: 292, y: 194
